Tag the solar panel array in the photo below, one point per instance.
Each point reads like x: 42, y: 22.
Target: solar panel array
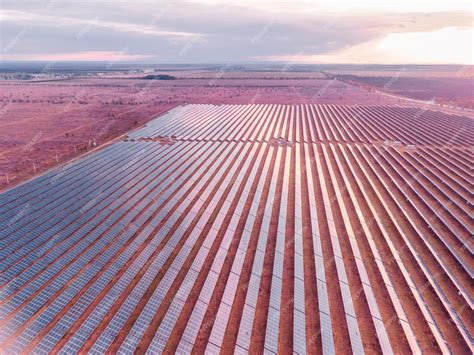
x: 198, y: 232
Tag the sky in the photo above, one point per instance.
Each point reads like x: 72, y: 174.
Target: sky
x: 231, y: 31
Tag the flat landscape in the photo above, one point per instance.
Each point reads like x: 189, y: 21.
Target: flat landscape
x: 236, y: 177
x: 283, y: 226
x: 46, y: 121
x: 446, y: 85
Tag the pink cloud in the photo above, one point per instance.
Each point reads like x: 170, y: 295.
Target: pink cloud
x: 115, y: 56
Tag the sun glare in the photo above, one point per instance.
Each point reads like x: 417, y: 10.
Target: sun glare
x: 447, y: 45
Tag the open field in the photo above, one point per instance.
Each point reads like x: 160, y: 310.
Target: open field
x: 412, y: 71
x: 447, y: 85
x: 43, y: 123
x: 224, y: 73
x: 249, y: 228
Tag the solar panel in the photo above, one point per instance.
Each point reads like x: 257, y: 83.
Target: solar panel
x: 183, y: 348
x: 299, y: 332
x: 230, y: 289
x: 212, y: 349
x: 246, y: 326
x: 220, y: 324
x: 118, y: 215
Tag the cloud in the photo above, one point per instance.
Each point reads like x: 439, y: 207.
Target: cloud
x: 34, y: 19
x: 208, y: 31
x: 399, y: 48
x: 99, y: 56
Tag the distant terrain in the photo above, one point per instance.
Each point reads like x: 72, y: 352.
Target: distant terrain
x: 52, y: 112
x: 444, y: 90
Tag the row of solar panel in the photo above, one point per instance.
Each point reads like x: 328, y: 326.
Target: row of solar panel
x: 325, y: 122
x: 84, y: 217
x: 390, y: 288
x: 62, y: 207
x: 197, y: 315
x: 443, y: 182
x: 445, y: 130
x: 165, y: 327
x: 447, y: 166
x: 116, y: 212
x: 60, y: 175
x: 428, y: 214
x: 408, y: 331
x: 223, y: 314
x: 166, y: 252
x: 362, y: 273
x: 462, y: 328
x: 434, y: 203
x: 178, y: 172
